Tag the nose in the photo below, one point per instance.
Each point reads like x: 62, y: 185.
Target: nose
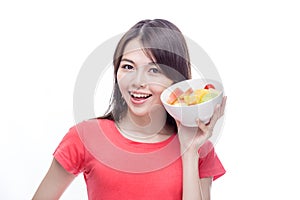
x: 140, y: 79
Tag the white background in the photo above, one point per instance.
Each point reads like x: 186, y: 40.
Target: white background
x: 255, y: 46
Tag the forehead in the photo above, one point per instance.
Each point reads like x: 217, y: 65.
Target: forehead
x: 132, y: 45
x: 135, y: 50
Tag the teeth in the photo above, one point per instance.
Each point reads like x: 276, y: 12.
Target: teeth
x: 140, y: 95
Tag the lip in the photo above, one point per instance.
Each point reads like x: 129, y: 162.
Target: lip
x: 139, y: 101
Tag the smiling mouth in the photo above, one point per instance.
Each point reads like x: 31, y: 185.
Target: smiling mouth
x: 140, y: 95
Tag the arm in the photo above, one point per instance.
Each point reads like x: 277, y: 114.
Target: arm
x: 54, y: 184
x: 193, y: 187
x: 191, y: 139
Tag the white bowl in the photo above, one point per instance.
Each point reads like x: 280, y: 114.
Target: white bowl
x: 188, y: 114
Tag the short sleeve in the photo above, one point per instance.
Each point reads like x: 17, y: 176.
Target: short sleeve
x: 209, y: 163
x: 70, y: 153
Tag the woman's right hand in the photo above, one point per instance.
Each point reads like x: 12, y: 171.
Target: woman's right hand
x: 192, y: 138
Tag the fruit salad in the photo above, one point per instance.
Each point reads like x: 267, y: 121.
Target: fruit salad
x: 192, y: 97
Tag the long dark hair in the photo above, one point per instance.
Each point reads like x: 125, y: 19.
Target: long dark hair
x: 162, y: 40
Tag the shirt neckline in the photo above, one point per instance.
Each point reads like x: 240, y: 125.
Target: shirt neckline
x: 116, y: 136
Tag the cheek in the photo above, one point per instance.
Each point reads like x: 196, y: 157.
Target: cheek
x: 163, y: 84
x: 158, y: 89
x: 121, y: 79
x: 120, y: 82
x: 119, y: 75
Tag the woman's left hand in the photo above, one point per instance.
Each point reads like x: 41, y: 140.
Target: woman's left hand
x: 192, y: 138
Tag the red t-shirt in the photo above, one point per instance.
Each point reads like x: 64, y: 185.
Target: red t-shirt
x: 115, y: 167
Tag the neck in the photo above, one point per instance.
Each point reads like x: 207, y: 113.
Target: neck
x: 145, y: 124
x: 139, y: 122
x: 146, y: 128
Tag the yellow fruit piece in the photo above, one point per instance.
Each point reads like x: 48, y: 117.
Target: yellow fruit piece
x: 190, y: 99
x: 199, y: 94
x: 175, y: 102
x: 210, y: 95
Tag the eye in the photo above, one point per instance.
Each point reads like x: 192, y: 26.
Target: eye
x: 128, y: 67
x: 154, y: 70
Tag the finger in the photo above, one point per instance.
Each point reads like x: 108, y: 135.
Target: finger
x: 223, y: 105
x: 218, y: 112
x: 205, y: 130
x: 177, y: 123
x: 215, y: 116
x: 203, y: 127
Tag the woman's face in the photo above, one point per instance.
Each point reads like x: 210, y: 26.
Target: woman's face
x: 140, y: 80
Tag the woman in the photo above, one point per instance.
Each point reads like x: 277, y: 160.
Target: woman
x: 137, y: 150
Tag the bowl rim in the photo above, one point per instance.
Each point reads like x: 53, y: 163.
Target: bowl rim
x: 191, y: 80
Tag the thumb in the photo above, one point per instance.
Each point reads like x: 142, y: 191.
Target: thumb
x: 178, y: 123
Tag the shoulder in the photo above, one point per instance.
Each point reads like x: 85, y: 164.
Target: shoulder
x: 93, y: 126
x: 83, y: 135
x: 85, y: 129
x: 94, y: 130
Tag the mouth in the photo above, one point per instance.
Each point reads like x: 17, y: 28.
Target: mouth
x: 139, y: 97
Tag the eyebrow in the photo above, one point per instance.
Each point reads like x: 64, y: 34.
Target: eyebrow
x: 131, y: 61
x: 127, y: 60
